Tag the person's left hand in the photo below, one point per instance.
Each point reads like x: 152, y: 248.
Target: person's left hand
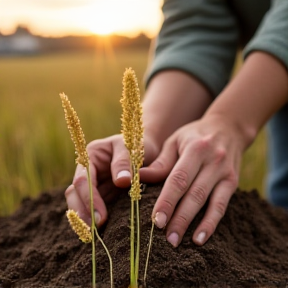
x: 201, y: 163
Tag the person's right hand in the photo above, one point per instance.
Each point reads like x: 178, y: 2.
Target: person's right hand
x: 110, y: 172
x: 200, y: 163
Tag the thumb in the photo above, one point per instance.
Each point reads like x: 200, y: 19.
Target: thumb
x: 120, y: 165
x: 160, y: 168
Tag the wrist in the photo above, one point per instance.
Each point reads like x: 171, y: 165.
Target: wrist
x: 173, y: 99
x: 244, y: 134
x: 253, y: 96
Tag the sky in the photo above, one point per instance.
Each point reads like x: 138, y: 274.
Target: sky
x: 82, y: 17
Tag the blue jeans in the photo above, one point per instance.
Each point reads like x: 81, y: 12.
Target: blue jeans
x: 277, y: 181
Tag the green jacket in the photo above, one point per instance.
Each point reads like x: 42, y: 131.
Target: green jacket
x: 201, y: 37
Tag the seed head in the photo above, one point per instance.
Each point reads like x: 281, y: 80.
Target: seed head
x: 76, y: 132
x: 132, y: 128
x: 79, y: 226
x: 132, y: 125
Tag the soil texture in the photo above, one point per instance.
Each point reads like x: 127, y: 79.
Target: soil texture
x: 249, y: 248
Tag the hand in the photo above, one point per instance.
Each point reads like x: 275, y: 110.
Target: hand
x: 110, y: 173
x: 201, y: 161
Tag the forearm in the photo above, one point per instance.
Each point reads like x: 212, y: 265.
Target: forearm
x: 173, y: 99
x: 253, y: 96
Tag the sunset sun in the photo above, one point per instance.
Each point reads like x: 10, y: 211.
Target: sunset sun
x: 101, y: 26
x: 82, y: 17
x: 122, y: 17
x: 104, y: 18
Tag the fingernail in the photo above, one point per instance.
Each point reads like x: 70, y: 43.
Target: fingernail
x: 97, y: 217
x: 160, y: 219
x: 173, y: 239
x: 201, y: 237
x: 123, y: 173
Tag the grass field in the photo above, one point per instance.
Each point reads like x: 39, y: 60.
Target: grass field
x: 36, y: 152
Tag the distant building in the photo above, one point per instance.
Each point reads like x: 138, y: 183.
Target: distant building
x: 22, y: 42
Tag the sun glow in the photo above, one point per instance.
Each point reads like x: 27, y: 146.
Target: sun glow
x: 102, y: 29
x: 101, y: 19
x: 121, y: 17
x: 62, y: 17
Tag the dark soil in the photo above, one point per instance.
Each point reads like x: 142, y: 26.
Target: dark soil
x: 248, y: 249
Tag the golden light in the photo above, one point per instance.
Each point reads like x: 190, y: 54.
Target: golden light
x: 101, y: 28
x: 128, y: 17
x: 47, y: 18
x: 101, y: 19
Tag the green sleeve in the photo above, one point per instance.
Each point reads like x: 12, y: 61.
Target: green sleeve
x: 199, y: 37
x: 272, y: 35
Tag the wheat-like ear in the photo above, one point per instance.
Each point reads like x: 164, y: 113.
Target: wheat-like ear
x: 132, y: 127
x: 79, y: 226
x: 76, y: 132
x: 132, y: 130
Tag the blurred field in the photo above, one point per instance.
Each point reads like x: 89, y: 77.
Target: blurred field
x: 36, y: 152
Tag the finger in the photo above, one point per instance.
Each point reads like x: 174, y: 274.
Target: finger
x: 120, y: 165
x: 191, y: 203
x: 100, y: 156
x: 82, y: 187
x: 159, y: 169
x: 74, y: 202
x: 217, y: 207
x: 176, y: 185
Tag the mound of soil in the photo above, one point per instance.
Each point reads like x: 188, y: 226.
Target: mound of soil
x: 248, y: 249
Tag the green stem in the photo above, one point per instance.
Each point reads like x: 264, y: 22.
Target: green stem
x: 138, y: 241
x: 92, y: 230
x: 132, y: 263
x: 108, y: 254
x: 148, y: 253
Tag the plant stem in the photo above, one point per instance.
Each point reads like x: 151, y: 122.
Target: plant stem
x: 148, y: 252
x: 138, y: 241
x: 92, y: 230
x: 108, y: 254
x: 132, y: 260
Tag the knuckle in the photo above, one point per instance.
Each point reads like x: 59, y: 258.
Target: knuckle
x: 100, y: 144
x: 122, y: 162
x: 220, y: 155
x: 159, y: 164
x: 210, y: 225
x: 203, y: 143
x: 182, y: 222
x: 220, y: 208
x: 179, y: 179
x: 168, y: 204
x: 198, y: 194
x: 93, y: 145
x: 79, y: 180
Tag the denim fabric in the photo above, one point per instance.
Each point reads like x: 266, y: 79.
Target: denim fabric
x: 277, y: 181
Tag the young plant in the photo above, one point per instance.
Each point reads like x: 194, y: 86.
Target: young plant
x: 81, y: 228
x: 132, y: 130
